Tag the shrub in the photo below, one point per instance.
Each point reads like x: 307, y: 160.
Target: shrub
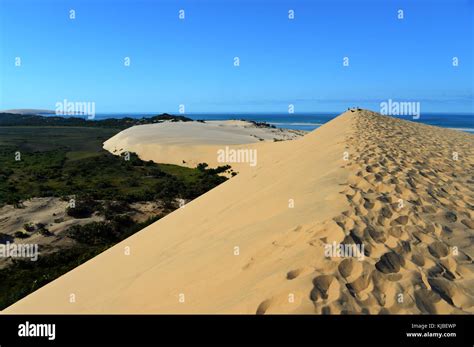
x: 83, y: 208
x: 45, y: 232
x: 21, y: 234
x: 202, y: 166
x: 95, y: 233
x: 29, y: 227
x: 113, y: 208
x: 4, y: 238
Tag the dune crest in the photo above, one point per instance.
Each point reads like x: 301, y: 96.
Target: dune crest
x: 191, y: 143
x: 402, y: 192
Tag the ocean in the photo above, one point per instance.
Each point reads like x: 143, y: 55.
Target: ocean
x: 311, y: 121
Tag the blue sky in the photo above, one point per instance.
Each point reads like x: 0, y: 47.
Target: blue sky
x: 282, y: 61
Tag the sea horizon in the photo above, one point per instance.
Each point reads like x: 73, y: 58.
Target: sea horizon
x: 306, y: 121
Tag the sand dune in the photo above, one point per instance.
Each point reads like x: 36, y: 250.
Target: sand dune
x: 256, y: 244
x: 191, y: 143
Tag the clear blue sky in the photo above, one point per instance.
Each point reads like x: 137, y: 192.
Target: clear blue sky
x: 282, y: 61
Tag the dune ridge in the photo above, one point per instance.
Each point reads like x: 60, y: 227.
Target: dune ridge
x: 411, y: 199
x: 256, y: 243
x: 191, y: 143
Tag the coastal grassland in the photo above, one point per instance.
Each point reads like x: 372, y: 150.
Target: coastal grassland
x: 68, y: 161
x: 100, y: 176
x: 64, y: 161
x: 46, y: 138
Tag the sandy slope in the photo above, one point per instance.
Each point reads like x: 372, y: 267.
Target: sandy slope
x: 400, y: 194
x: 191, y: 143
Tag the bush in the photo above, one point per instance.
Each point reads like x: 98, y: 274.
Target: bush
x: 29, y: 227
x: 218, y: 170
x: 40, y: 226
x: 45, y: 232
x: 202, y: 166
x: 169, y: 189
x: 21, y: 235
x: 95, y: 233
x: 83, y: 208
x: 4, y: 238
x: 113, y: 208
x: 122, y: 222
x: 169, y: 204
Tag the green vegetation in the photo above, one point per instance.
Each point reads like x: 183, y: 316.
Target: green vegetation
x: 77, y: 140
x: 63, y: 157
x: 98, y: 175
x: 10, y: 119
x: 109, y: 232
x: 21, y: 234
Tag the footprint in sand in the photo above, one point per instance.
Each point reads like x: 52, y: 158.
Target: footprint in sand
x: 390, y: 262
x: 350, y: 269
x: 298, y: 272
x: 438, y: 249
x: 326, y: 287
x: 264, y: 306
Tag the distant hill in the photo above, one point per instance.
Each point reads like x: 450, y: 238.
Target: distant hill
x: 17, y: 119
x: 28, y: 111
